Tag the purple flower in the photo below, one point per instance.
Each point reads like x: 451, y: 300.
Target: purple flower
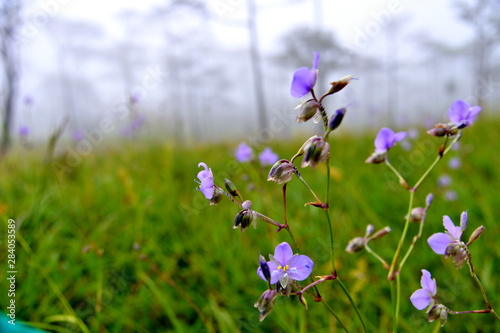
x: 386, y: 139
x: 444, y: 180
x: 244, y: 152
x: 285, y: 265
x: 440, y: 241
x: 78, y: 135
x: 267, y: 157
x: 462, y: 114
x: 454, y: 163
x: 24, y: 131
x: 206, y: 177
x: 304, y: 79
x: 422, y: 298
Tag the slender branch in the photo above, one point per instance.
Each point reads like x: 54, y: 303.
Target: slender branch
x: 379, y: 258
x: 346, y: 292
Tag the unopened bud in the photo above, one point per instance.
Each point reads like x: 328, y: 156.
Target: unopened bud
x: 369, y: 230
x: 440, y: 130
x: 428, y: 200
x: 438, y: 311
x: 302, y: 300
x: 307, y: 110
x: 231, y: 188
x: 381, y: 233
x: 316, y: 151
x: 244, y: 218
x: 337, y: 118
x: 265, y: 268
x: 265, y: 303
x: 340, y: 84
x: 463, y: 220
x: 475, y: 235
x: 355, y: 245
x: 247, y: 204
x: 282, y: 172
x: 417, y: 214
x: 376, y: 158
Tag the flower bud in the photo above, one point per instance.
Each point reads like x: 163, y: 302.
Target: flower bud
x: 458, y: 251
x: 438, y: 311
x: 440, y: 130
x: 428, y: 200
x: 355, y: 245
x: 244, y: 218
x: 475, y: 235
x: 265, y: 268
x: 307, y: 110
x: 381, y: 233
x: 340, y: 84
x: 265, y: 303
x: 316, y: 151
x: 337, y: 118
x: 247, y: 204
x: 282, y: 172
x: 463, y: 220
x: 417, y: 214
x: 369, y: 230
x: 302, y: 300
x: 231, y: 188
x: 376, y: 157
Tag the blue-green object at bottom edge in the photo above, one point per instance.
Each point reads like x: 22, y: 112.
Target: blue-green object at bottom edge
x: 5, y: 327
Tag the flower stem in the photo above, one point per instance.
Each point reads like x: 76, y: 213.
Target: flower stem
x: 346, y: 292
x: 412, y: 245
x: 318, y: 200
x: 336, y: 316
x: 480, y: 285
x: 402, y: 181
x: 379, y: 258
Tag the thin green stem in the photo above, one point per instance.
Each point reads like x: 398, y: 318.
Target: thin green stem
x: 346, y: 292
x: 480, y: 285
x: 379, y: 258
x: 309, y: 187
x: 336, y: 316
x: 396, y: 308
x: 412, y: 245
x: 402, y: 181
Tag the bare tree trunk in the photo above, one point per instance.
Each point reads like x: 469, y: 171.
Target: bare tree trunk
x: 9, y: 19
x: 256, y: 65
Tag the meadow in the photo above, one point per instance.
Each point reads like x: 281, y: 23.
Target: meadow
x: 123, y: 242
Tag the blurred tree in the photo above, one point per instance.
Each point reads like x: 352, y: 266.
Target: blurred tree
x: 9, y: 25
x: 484, y: 18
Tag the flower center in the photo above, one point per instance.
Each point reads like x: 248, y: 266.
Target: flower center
x: 283, y: 268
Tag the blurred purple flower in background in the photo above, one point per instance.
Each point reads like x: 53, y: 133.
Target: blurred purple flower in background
x: 444, y: 180
x: 77, y: 135
x: 386, y: 139
x: 285, y: 265
x: 462, y: 114
x: 450, y: 195
x: 454, y: 163
x: 24, y: 131
x: 304, y: 79
x: 244, y: 152
x: 28, y: 100
x: 206, y: 177
x: 134, y: 126
x: 268, y: 157
x: 440, y: 241
x: 422, y: 298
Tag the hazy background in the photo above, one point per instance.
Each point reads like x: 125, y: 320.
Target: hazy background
x: 197, y: 70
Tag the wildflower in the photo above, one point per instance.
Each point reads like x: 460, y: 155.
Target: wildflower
x: 449, y: 243
x: 244, y: 152
x: 337, y: 118
x: 207, y: 185
x: 307, y: 110
x: 282, y: 172
x: 444, y: 180
x: 304, y: 79
x: 454, y: 163
x: 357, y: 244
x: 424, y: 297
x: 268, y: 157
x: 340, y: 84
x: 315, y: 150
x: 438, y: 311
x: 245, y: 216
x: 286, y: 266
x: 462, y: 115
x: 385, y: 140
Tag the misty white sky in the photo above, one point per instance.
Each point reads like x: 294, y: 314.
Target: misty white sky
x: 358, y: 24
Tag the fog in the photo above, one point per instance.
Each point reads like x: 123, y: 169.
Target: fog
x: 195, y: 71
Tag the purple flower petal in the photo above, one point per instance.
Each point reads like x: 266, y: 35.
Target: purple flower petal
x: 428, y: 283
x: 473, y: 112
x: 300, y: 267
x: 267, y: 157
x: 383, y: 139
x: 463, y: 221
x: 439, y: 242
x: 206, y: 181
x: 421, y: 298
x: 399, y: 136
x: 457, y: 111
x: 273, y: 268
x: 283, y: 253
x: 454, y: 232
x: 244, y: 152
x: 304, y: 79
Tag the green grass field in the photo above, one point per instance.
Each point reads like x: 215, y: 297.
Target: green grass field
x: 123, y: 242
